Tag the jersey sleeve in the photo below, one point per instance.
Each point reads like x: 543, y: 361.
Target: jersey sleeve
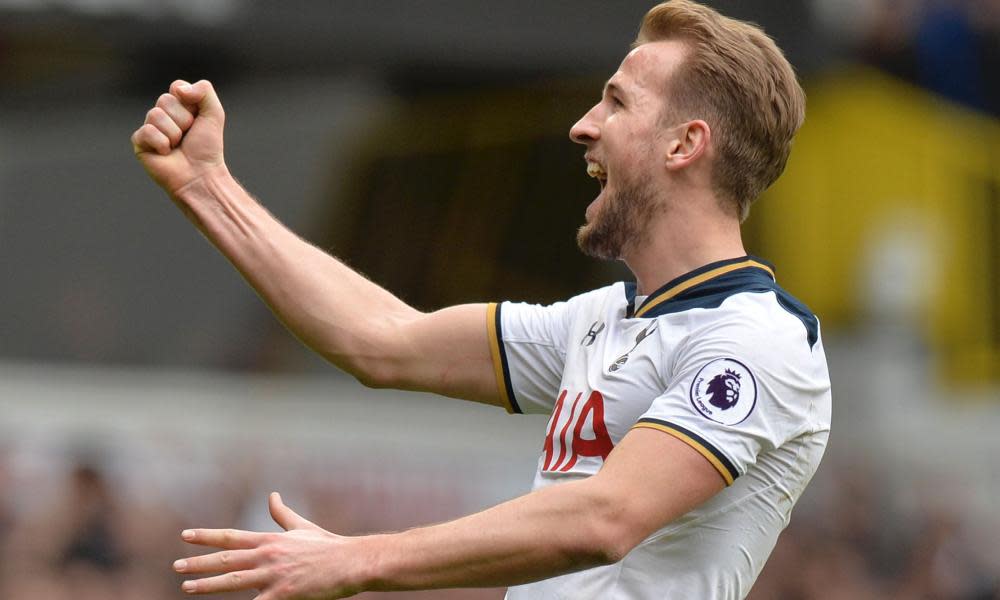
x: 528, y: 345
x: 739, y: 393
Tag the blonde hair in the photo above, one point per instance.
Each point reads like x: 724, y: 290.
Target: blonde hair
x: 735, y: 78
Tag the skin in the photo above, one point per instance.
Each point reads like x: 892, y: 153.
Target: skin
x: 665, y: 167
x: 656, y: 212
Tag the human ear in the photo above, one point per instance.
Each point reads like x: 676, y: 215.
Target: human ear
x: 686, y: 143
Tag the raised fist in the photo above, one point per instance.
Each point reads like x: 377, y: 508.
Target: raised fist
x: 181, y: 139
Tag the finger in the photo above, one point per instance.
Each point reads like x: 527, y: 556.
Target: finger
x: 230, y: 582
x: 284, y: 516
x: 230, y: 539
x: 175, y: 88
x: 219, y: 562
x: 202, y: 95
x: 162, y: 121
x: 150, y: 139
x: 180, y: 114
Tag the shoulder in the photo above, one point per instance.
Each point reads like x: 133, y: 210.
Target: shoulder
x: 763, y: 319
x: 613, y: 293
x: 766, y: 331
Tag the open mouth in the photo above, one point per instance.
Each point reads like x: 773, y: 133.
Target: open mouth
x: 597, y: 171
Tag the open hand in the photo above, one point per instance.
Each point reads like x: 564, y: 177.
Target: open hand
x: 305, y: 562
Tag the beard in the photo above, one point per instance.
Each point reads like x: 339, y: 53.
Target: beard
x: 620, y: 221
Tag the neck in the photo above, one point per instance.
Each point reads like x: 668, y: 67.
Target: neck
x: 681, y: 240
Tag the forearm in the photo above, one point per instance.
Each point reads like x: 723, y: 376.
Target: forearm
x: 559, y: 529
x: 319, y: 299
x: 649, y: 479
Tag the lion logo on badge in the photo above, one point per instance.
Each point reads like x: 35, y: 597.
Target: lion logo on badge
x: 724, y: 391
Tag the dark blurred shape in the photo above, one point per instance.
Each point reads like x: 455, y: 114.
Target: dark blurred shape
x: 474, y: 196
x: 949, y: 47
x: 92, y: 538
x: 948, y: 53
x: 862, y: 542
x: 154, y: 66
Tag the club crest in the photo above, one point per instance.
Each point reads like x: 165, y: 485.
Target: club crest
x: 724, y: 391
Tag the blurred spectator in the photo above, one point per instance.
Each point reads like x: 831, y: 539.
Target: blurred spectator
x: 92, y: 542
x: 948, y: 53
x: 949, y: 47
x: 860, y: 543
x: 855, y: 537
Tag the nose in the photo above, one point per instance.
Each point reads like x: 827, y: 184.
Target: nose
x: 585, y: 130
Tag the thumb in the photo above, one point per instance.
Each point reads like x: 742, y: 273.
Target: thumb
x: 202, y: 95
x: 286, y: 517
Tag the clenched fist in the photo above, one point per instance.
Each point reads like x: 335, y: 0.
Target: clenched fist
x: 181, y: 139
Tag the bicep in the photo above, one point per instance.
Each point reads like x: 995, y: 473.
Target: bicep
x: 653, y: 478
x: 448, y: 352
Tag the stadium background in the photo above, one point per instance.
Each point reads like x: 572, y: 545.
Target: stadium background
x: 144, y: 388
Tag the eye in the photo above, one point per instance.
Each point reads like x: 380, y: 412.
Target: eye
x: 617, y: 101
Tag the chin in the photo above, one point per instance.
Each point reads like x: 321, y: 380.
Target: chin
x: 597, y: 241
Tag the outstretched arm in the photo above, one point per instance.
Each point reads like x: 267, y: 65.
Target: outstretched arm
x: 352, y: 322
x: 649, y: 479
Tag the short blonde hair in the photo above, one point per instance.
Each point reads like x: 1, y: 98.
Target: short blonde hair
x: 737, y: 79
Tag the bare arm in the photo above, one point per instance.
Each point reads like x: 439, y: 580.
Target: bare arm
x: 649, y: 480
x: 352, y: 322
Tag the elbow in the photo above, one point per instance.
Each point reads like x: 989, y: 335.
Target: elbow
x: 610, y: 535
x: 377, y: 376
x: 366, y: 370
x: 604, y: 547
x: 383, y: 358
x: 370, y: 381
x: 612, y: 547
x: 376, y: 359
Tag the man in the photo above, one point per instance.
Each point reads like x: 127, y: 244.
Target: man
x: 688, y: 410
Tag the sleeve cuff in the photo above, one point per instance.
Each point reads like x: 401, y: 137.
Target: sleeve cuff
x: 718, y: 460
x: 499, y: 355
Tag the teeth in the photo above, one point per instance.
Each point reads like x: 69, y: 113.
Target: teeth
x: 596, y: 170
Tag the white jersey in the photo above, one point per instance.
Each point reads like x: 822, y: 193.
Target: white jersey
x: 720, y: 358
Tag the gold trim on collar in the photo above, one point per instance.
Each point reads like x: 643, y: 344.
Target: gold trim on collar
x: 690, y: 283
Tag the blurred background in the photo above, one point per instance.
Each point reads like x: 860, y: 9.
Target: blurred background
x: 144, y: 388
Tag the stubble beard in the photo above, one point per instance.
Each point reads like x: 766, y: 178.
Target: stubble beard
x: 620, y: 223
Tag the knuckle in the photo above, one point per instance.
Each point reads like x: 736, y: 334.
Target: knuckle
x: 165, y: 100
x: 235, y: 578
x: 231, y: 537
x: 225, y: 558
x: 274, y: 554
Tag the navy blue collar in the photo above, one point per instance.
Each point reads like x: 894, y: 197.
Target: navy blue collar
x: 722, y: 277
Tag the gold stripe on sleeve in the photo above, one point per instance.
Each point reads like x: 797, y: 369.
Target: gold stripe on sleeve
x: 708, y: 454
x: 494, y: 339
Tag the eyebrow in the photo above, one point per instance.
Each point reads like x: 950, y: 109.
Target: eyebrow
x: 614, y: 88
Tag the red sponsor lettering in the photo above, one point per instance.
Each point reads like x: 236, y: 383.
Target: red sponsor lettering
x: 587, y: 441
x: 556, y: 411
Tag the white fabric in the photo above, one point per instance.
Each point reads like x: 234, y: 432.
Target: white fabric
x: 772, y: 434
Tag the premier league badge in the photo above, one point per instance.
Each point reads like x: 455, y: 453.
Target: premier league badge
x: 724, y: 391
